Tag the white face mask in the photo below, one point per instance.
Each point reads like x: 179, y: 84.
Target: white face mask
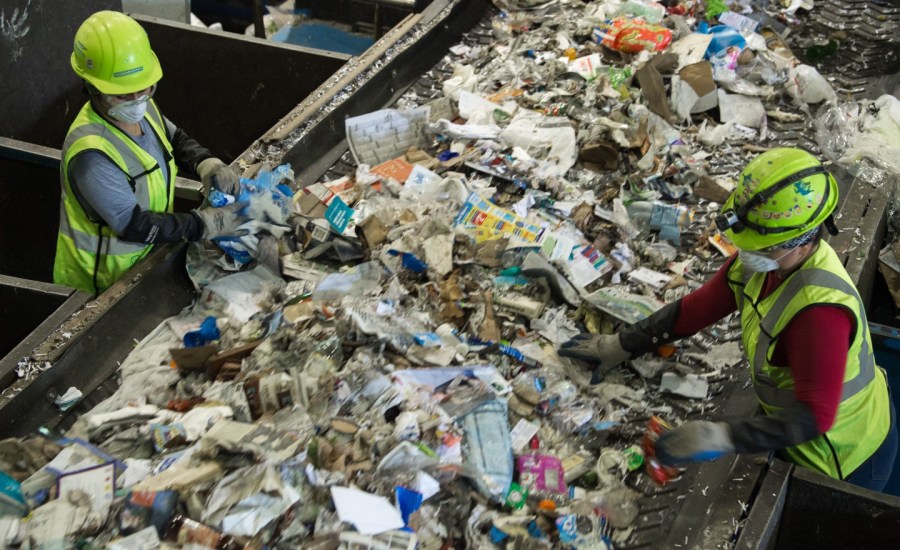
x: 760, y: 263
x: 130, y: 111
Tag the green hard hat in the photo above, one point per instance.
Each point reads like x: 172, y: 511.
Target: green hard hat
x: 782, y: 194
x: 112, y: 52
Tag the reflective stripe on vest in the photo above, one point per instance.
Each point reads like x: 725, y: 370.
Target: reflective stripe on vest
x: 765, y: 386
x: 90, y: 243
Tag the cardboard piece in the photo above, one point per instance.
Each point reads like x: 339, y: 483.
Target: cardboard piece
x: 712, y: 189
x: 489, y: 331
x: 694, y: 90
x: 382, y: 135
x: 600, y: 154
x: 193, y: 358
x: 654, y: 90
x: 665, y: 63
x: 396, y: 168
x: 372, y: 232
x: 309, y: 205
x: 233, y: 355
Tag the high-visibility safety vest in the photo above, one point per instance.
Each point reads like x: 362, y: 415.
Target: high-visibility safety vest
x: 89, y: 255
x: 863, y: 416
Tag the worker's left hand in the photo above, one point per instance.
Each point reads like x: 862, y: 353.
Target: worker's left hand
x: 602, y: 349
x: 223, y: 222
x: 216, y: 174
x: 695, y: 441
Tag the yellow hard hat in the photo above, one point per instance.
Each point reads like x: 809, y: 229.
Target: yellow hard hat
x: 112, y: 52
x: 782, y: 194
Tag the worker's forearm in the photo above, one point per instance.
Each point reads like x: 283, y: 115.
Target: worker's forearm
x: 152, y: 227
x: 696, y: 311
x: 651, y: 332
x: 786, y: 428
x: 188, y: 152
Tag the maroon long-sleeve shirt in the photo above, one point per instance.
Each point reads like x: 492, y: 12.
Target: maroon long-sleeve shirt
x: 814, y: 345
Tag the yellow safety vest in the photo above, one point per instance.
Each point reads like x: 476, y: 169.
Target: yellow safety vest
x: 89, y: 255
x: 863, y: 416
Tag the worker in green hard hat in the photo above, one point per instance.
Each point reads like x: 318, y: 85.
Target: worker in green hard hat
x: 826, y: 403
x: 119, y: 162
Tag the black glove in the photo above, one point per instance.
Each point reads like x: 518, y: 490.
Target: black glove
x: 784, y: 428
x: 652, y: 332
x: 159, y: 227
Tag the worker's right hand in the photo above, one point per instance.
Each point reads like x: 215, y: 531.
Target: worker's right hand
x: 695, y: 441
x: 603, y: 349
x: 224, y: 221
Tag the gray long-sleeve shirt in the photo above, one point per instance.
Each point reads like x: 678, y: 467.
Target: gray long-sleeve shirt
x: 104, y: 186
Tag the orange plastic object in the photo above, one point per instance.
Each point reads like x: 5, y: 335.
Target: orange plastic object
x: 633, y: 35
x: 666, y: 351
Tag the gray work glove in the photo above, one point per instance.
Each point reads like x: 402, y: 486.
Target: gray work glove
x: 216, y: 174
x: 695, y: 441
x: 604, y: 350
x: 224, y: 221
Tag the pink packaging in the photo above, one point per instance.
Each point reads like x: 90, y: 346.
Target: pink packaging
x: 543, y: 473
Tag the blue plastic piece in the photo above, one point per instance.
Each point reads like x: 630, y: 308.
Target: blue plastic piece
x: 410, y: 261
x: 723, y: 37
x: 13, y: 501
x: 271, y: 183
x: 498, y: 536
x: 219, y: 199
x: 207, y: 332
x: 535, y: 531
x: 409, y: 502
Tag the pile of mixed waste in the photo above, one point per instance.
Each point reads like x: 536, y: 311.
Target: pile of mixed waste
x: 374, y: 365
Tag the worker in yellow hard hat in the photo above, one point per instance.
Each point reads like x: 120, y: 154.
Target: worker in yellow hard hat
x: 826, y: 403
x: 119, y: 163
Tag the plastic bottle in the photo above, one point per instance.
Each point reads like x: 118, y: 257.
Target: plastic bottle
x: 325, y: 357
x: 318, y: 370
x: 556, y: 395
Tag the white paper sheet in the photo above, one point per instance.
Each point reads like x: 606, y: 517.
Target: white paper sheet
x: 427, y: 485
x: 522, y: 434
x: 98, y: 483
x: 370, y: 514
x: 687, y: 386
